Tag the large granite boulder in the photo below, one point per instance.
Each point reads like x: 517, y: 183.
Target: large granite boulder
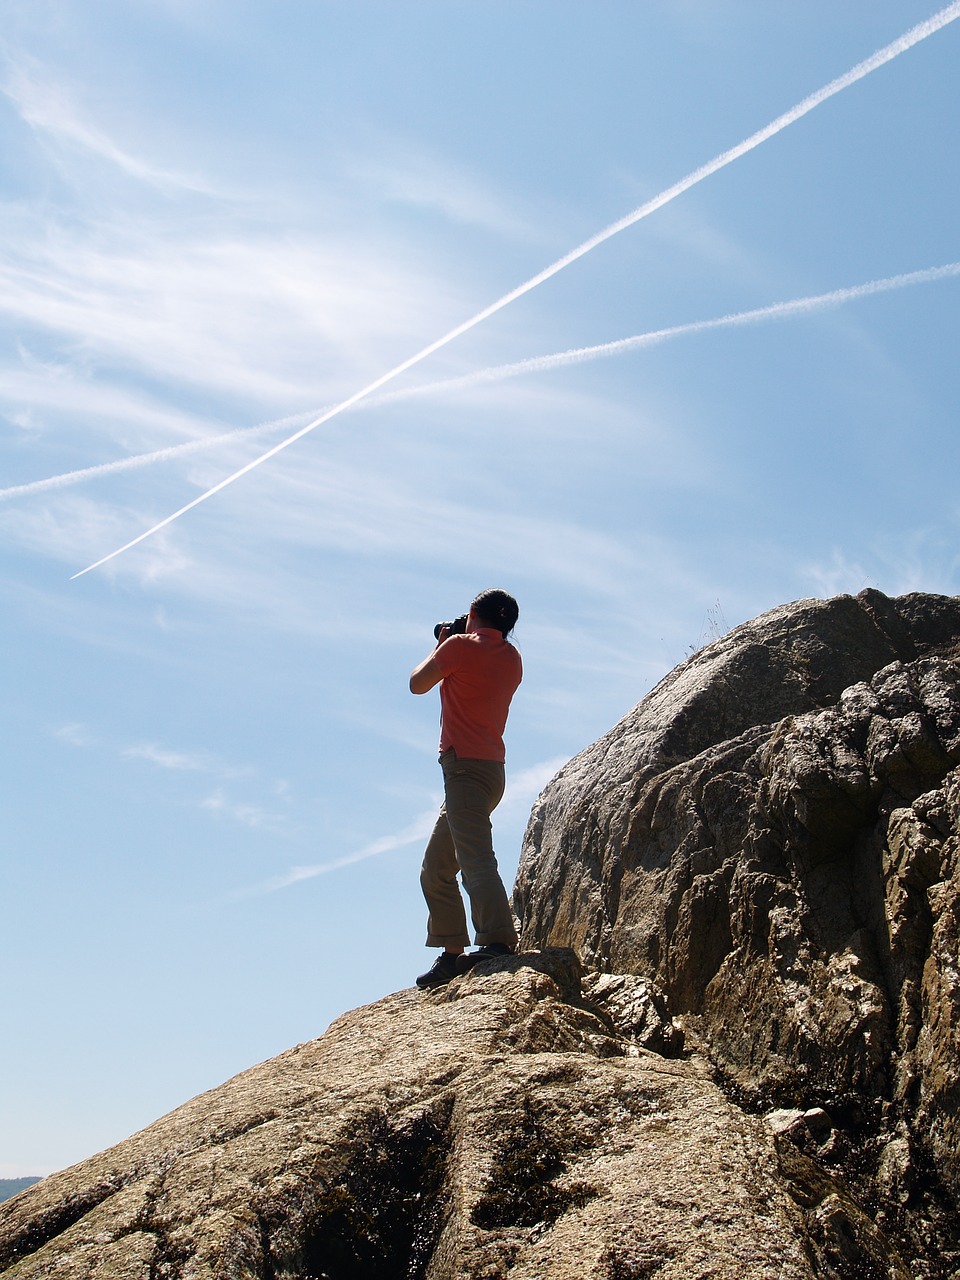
x: 730, y: 1048
x: 504, y: 1126
x: 772, y: 840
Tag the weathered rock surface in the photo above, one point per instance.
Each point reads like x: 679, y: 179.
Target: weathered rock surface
x: 772, y: 840
x: 754, y: 1075
x: 502, y: 1126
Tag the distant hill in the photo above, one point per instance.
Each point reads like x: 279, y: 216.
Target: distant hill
x: 12, y: 1186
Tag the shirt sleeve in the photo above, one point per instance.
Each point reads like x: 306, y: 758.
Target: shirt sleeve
x: 447, y: 656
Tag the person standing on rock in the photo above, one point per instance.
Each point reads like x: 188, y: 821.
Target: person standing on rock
x: 478, y: 671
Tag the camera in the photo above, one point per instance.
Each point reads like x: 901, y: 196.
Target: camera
x: 455, y: 628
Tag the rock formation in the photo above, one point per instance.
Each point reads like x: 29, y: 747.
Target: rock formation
x: 501, y: 1126
x: 730, y: 1048
x: 772, y: 839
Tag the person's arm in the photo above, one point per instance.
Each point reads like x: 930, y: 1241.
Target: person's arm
x: 424, y: 677
x: 427, y: 675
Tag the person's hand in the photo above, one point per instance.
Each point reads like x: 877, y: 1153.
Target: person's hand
x: 444, y: 632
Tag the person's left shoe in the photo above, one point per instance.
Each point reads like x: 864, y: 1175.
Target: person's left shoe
x: 492, y: 951
x: 442, y: 971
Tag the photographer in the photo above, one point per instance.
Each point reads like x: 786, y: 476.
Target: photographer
x: 478, y: 671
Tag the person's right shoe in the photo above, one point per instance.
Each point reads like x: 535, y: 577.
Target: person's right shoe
x: 492, y: 951
x: 441, y: 971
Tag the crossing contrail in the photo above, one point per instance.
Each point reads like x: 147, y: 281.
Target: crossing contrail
x: 904, y: 42
x: 501, y: 372
x: 137, y: 460
x: 775, y: 311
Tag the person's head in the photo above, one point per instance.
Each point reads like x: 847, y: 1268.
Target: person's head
x: 495, y: 608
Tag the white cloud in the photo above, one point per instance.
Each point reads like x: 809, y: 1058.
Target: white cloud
x: 181, y: 761
x: 414, y: 833
x: 50, y: 107
x: 218, y: 802
x: 74, y: 735
x: 522, y: 790
x: 48, y: 392
x: 925, y: 559
x: 268, y: 548
x: 838, y: 575
x: 525, y: 786
x: 247, y: 814
x: 76, y: 525
x: 399, y: 172
x: 204, y: 763
x: 382, y: 521
x: 174, y: 759
x: 454, y: 386
x: 246, y: 316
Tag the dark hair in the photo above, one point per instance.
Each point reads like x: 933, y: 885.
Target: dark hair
x: 498, y: 609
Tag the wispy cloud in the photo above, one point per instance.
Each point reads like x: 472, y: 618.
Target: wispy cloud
x: 74, y: 735
x: 522, y: 790
x: 407, y: 524
x: 243, y: 316
x: 897, y: 47
x: 415, y: 832
x: 925, y: 560
x: 758, y: 315
x: 218, y: 802
x: 181, y: 761
x: 136, y: 462
x: 50, y: 107
x: 524, y: 786
x: 37, y: 390
x: 248, y: 815
x: 803, y: 306
x: 377, y: 512
x: 837, y: 575
x: 410, y: 176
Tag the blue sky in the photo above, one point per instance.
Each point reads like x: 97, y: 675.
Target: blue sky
x: 219, y: 217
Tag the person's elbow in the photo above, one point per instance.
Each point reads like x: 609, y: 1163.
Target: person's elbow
x: 424, y: 677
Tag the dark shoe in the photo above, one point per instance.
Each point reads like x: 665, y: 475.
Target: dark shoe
x: 492, y: 951
x: 443, y: 969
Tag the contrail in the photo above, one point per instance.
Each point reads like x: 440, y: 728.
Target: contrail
x: 917, y: 33
x: 518, y: 368
x: 414, y: 833
x: 138, y: 460
x: 777, y: 310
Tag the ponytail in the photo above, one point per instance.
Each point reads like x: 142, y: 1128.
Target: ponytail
x: 497, y: 609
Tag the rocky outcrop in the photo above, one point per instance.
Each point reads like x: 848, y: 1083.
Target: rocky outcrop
x: 13, y: 1186
x: 501, y: 1126
x: 730, y: 1048
x: 772, y: 840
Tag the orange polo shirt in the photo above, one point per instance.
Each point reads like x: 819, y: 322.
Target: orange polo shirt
x: 481, y: 672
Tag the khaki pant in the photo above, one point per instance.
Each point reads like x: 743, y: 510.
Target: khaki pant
x: 462, y: 840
